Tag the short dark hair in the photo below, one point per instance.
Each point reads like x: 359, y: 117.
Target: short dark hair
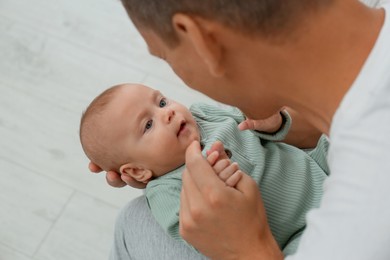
x: 264, y: 17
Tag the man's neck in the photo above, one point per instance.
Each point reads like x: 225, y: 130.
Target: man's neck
x: 319, y: 65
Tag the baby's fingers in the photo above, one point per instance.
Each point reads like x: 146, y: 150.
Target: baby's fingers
x: 218, y: 147
x: 226, y: 173
x: 213, y: 157
x: 248, y: 124
x: 221, y: 165
x: 234, y: 178
x: 268, y: 125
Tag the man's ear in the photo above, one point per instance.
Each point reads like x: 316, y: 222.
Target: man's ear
x: 139, y: 174
x: 201, y: 35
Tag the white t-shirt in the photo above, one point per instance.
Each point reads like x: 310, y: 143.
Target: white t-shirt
x: 374, y: 2
x: 353, y: 221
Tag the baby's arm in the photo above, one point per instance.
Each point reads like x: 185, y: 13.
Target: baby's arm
x: 282, y: 125
x: 300, y: 134
x: 227, y: 171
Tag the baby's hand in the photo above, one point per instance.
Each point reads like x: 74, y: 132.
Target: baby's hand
x: 269, y: 125
x: 227, y: 171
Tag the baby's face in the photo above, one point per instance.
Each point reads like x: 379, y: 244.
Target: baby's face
x: 152, y: 130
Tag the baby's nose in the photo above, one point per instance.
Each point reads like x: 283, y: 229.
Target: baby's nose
x: 170, y: 115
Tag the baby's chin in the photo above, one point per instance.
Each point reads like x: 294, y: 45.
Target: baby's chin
x: 196, y: 137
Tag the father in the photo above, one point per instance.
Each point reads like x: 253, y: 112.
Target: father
x: 329, y: 60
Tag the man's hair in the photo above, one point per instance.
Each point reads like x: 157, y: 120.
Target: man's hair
x: 256, y: 17
x: 93, y: 136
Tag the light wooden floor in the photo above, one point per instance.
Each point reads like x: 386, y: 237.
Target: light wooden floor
x: 55, y: 56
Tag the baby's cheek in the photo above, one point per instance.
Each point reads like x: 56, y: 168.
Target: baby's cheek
x: 173, y: 155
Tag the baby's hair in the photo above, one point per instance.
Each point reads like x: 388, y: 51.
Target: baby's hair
x: 93, y: 138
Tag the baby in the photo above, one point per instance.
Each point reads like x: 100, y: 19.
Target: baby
x: 135, y: 130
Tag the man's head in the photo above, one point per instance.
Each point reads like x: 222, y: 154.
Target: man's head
x: 260, y: 55
x: 230, y: 50
x: 252, y: 17
x: 135, y: 130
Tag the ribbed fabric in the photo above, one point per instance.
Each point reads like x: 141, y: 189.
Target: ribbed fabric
x: 290, y: 179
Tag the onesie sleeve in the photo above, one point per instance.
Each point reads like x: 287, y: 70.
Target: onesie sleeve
x: 218, y: 112
x: 163, y: 196
x: 164, y: 202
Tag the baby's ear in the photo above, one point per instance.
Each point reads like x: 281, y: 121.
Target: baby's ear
x: 137, y: 173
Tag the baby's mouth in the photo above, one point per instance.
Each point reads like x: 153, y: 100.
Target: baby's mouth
x: 181, y: 128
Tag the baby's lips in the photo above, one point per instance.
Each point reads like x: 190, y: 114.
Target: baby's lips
x: 181, y: 127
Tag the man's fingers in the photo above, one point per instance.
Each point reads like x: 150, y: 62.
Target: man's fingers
x: 94, y: 168
x: 202, y: 173
x: 190, y: 201
x: 247, y: 185
x: 184, y: 216
x: 192, y: 204
x: 114, y: 179
x: 132, y: 182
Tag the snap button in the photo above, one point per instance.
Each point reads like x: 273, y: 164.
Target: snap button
x: 228, y: 153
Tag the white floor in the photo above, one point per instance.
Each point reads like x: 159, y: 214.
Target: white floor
x: 55, y: 57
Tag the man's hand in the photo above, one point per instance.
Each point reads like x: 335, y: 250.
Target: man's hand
x: 220, y: 221
x: 117, y: 180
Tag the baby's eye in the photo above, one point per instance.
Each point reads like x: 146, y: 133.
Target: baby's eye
x: 148, y: 125
x: 163, y: 102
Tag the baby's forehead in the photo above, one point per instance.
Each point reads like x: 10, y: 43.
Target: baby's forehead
x: 128, y: 106
x: 139, y: 89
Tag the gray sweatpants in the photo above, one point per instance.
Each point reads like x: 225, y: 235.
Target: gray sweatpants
x: 139, y: 237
